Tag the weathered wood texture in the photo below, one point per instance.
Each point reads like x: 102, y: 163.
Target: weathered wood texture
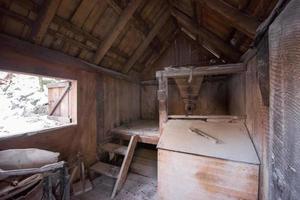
x: 245, y: 23
x: 236, y: 94
x: 145, y: 163
x: 79, y: 28
x: 189, y: 92
x: 245, y: 98
x: 212, y: 100
x: 145, y: 130
x: 125, y: 165
x: 149, y: 103
x: 257, y: 120
x: 218, y: 139
x: 120, y: 99
x: 44, y: 19
x: 196, y: 70
x: 121, y: 104
x: 163, y: 18
x: 62, y: 99
x: 182, y: 51
x: 284, y: 44
x: 207, y: 38
x: 185, y: 176
x: 112, y: 36
x: 162, y: 97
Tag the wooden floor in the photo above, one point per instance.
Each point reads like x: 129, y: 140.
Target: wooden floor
x: 147, y: 130
x: 136, y: 187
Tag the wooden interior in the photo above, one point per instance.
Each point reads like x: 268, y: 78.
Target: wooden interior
x: 142, y: 72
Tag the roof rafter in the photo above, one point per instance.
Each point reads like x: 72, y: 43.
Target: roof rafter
x: 137, y: 21
x: 193, y: 38
x: 86, y: 35
x: 82, y: 12
x: 44, y: 18
x: 208, y: 38
x: 123, y: 20
x: 139, y: 51
x: 244, y: 23
x: 156, y: 55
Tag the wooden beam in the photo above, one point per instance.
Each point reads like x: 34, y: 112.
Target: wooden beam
x: 263, y: 27
x: 44, y: 19
x: 208, y: 38
x: 78, y: 31
x: 156, y: 55
x: 206, y: 70
x: 138, y: 22
x: 140, y: 50
x: 162, y: 97
x: 14, y: 15
x: 83, y: 11
x: 205, y: 47
x: 123, y: 19
x: 16, y: 54
x: 244, y: 23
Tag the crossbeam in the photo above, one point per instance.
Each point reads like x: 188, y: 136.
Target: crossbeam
x: 140, y: 50
x: 244, y: 23
x: 44, y: 19
x: 206, y: 70
x: 124, y: 18
x: 208, y: 38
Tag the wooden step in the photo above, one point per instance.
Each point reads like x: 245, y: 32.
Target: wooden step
x: 125, y: 165
x: 106, y: 169
x: 114, y: 148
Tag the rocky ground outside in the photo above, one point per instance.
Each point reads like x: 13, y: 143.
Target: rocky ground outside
x: 24, y: 104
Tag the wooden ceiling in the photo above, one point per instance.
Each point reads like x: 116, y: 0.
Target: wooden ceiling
x: 130, y: 35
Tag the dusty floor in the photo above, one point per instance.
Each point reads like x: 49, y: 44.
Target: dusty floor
x: 136, y: 187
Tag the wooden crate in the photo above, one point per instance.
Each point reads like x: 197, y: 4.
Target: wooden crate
x: 193, y: 167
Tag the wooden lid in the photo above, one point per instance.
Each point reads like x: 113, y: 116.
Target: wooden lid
x: 234, y: 141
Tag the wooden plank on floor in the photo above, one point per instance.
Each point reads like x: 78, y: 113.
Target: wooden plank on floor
x: 106, y: 169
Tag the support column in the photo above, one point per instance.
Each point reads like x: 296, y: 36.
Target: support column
x: 162, y: 96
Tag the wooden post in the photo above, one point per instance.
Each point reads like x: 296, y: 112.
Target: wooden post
x: 162, y: 96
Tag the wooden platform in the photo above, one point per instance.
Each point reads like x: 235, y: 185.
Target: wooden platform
x: 147, y: 131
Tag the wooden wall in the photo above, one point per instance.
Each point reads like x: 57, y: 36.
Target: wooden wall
x: 213, y: 100
x: 236, y: 94
x: 284, y: 137
x: 246, y: 99
x: 101, y: 102
x: 257, y: 120
x: 149, y: 102
x: 182, y: 51
x: 121, y: 104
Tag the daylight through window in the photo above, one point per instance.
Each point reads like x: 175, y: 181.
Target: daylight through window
x: 30, y: 103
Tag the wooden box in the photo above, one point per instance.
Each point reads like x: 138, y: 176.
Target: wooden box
x: 192, y: 167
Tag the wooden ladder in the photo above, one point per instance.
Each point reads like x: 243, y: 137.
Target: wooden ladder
x: 119, y: 173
